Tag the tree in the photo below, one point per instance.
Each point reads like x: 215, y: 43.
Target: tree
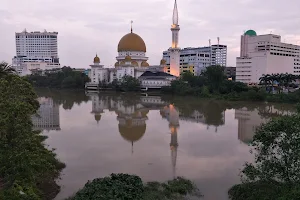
x: 276, y: 170
x: 26, y: 165
x: 6, y: 69
x: 66, y: 78
x: 129, y: 83
x: 214, y: 76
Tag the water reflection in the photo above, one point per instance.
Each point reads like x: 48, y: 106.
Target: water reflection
x: 47, y: 117
x: 155, y: 137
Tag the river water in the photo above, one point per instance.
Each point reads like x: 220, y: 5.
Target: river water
x: 155, y: 137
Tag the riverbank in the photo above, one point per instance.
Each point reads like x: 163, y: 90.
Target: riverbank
x: 28, y: 169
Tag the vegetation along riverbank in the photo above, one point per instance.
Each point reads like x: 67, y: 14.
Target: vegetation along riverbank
x: 28, y: 170
x: 212, y: 83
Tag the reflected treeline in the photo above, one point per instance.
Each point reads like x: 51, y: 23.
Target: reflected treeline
x: 132, y: 110
x: 66, y: 98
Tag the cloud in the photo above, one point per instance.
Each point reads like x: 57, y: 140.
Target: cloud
x: 89, y: 26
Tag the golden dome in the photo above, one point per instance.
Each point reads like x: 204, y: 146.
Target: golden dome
x: 128, y: 58
x: 144, y: 64
x: 122, y: 63
x: 96, y: 59
x: 117, y: 64
x: 134, y: 63
x: 163, y: 62
x: 131, y: 42
x: 132, y: 133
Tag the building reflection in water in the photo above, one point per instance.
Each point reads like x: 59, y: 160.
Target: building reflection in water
x: 172, y: 115
x: 249, y: 119
x: 132, y: 118
x: 47, y: 116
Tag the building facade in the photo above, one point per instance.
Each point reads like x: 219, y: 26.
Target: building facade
x: 155, y: 80
x: 197, y: 59
x: 265, y: 54
x: 37, y: 48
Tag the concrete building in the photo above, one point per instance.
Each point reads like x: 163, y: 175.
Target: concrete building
x: 230, y: 72
x: 265, y: 54
x: 197, y: 59
x: 39, y: 49
x: 155, y: 80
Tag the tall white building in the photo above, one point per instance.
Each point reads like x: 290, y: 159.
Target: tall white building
x: 199, y: 58
x: 175, y: 50
x: 36, y: 50
x: 265, y: 54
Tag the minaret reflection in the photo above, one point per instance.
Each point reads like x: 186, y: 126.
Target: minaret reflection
x: 172, y: 115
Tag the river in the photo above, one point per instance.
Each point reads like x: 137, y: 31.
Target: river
x: 155, y: 137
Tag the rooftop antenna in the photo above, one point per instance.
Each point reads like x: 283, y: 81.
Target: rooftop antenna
x: 218, y: 40
x: 209, y: 42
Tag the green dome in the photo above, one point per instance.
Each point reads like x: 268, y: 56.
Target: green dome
x: 250, y: 33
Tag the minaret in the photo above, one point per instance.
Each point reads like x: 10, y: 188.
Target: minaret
x: 175, y: 50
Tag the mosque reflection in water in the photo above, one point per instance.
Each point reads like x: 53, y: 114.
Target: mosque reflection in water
x: 132, y: 117
x: 132, y: 114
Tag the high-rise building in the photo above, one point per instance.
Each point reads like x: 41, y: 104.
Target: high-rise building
x: 175, y: 50
x: 35, y: 50
x: 265, y: 54
x: 197, y: 59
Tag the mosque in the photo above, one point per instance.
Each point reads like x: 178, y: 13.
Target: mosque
x: 133, y: 61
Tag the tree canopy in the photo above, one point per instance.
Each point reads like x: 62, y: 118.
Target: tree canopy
x: 26, y: 165
x: 276, y: 171
x: 67, y: 78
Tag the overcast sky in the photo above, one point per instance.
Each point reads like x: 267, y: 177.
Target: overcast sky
x: 89, y: 26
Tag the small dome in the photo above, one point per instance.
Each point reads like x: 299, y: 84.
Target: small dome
x: 250, y: 33
x: 122, y: 63
x: 134, y: 63
x: 97, y: 117
x: 163, y: 62
x: 96, y: 59
x: 131, y: 42
x: 144, y: 64
x: 128, y: 58
x: 117, y: 64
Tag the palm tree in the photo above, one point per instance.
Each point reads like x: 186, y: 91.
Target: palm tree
x: 6, y: 69
x: 265, y: 80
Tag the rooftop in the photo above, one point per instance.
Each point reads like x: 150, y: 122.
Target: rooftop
x: 156, y: 74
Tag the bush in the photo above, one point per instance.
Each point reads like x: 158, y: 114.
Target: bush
x: 131, y: 187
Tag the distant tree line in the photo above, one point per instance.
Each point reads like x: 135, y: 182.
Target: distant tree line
x: 212, y: 83
x: 126, y: 84
x: 67, y: 78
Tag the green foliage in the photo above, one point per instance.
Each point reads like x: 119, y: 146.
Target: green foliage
x: 25, y: 163
x: 129, y: 83
x: 67, y: 78
x: 129, y: 187
x: 215, y: 77
x: 213, y: 83
x: 6, y: 69
x: 276, y: 171
x: 116, y: 186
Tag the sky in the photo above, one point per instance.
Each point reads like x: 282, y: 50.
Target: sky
x: 87, y: 27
